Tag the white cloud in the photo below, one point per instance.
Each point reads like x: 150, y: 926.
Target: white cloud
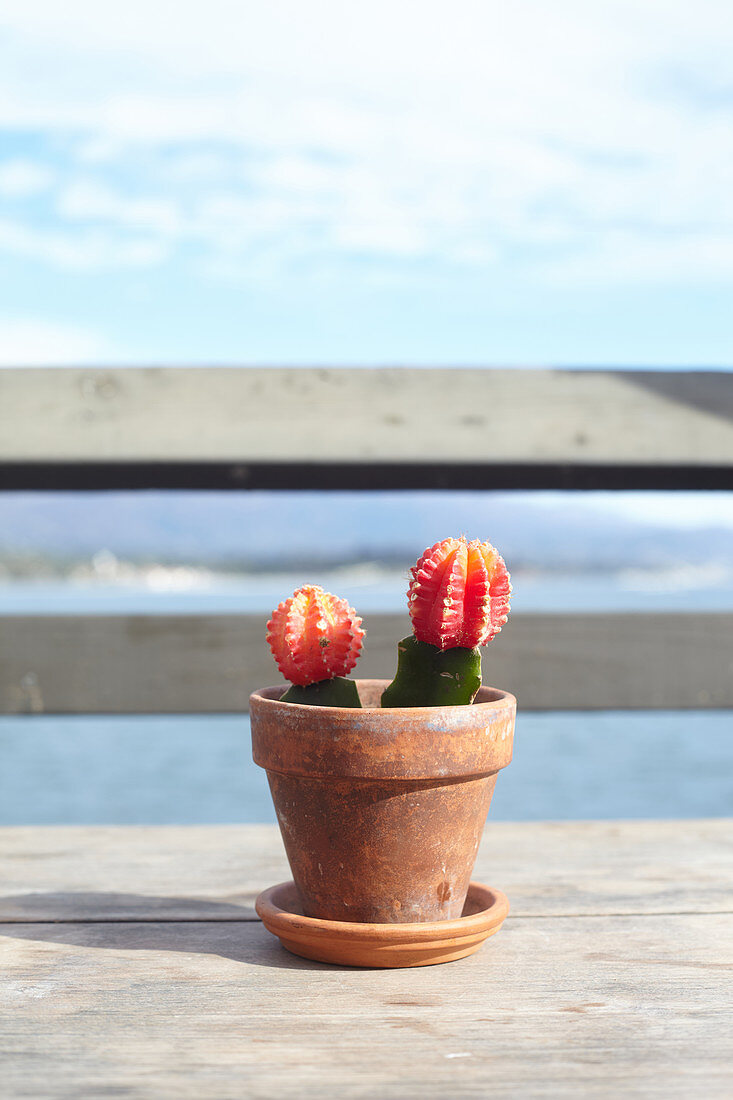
x: 623, y: 257
x: 75, y: 251
x: 38, y: 342
x: 682, y: 510
x: 593, y: 140
x: 87, y: 201
x: 20, y: 178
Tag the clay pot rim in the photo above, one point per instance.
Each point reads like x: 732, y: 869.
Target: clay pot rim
x: 499, y: 700
x: 393, y: 745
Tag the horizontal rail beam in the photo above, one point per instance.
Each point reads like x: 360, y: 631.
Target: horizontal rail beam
x: 210, y: 663
x: 110, y: 476
x: 265, y: 422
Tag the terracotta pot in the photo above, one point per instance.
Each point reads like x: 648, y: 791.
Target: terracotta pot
x: 381, y: 811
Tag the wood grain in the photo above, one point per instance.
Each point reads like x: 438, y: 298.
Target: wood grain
x: 581, y: 1007
x: 250, y: 414
x: 215, y: 872
x: 126, y: 969
x: 61, y: 664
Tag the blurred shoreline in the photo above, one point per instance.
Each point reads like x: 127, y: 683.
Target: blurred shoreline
x: 106, y: 584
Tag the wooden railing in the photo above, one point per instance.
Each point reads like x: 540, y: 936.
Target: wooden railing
x: 231, y: 428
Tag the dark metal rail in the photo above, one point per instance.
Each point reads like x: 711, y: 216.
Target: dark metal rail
x: 118, y: 476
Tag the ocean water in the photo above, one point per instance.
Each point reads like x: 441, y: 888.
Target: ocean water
x: 198, y: 769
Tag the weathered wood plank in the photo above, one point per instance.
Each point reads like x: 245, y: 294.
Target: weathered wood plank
x: 343, y: 415
x: 589, y: 1007
x: 215, y: 872
x: 561, y: 1003
x: 209, y: 663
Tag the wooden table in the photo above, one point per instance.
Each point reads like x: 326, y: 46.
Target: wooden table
x: 132, y: 964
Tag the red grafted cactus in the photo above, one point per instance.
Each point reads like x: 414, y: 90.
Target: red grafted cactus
x: 458, y: 600
x: 459, y: 594
x: 314, y: 636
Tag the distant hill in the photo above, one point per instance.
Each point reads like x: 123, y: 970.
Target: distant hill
x: 264, y: 530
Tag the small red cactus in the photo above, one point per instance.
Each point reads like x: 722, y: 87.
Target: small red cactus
x: 314, y: 636
x: 459, y: 594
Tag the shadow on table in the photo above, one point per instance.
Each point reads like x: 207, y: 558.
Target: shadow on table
x: 147, y: 923
x: 110, y: 906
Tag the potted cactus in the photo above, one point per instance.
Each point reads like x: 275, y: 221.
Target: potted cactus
x: 381, y: 788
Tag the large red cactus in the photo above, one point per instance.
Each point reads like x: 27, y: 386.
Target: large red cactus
x: 459, y: 594
x: 314, y: 636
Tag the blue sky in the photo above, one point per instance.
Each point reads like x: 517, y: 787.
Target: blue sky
x: 479, y: 182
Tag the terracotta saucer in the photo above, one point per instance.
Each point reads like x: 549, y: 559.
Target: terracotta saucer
x: 382, y: 945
